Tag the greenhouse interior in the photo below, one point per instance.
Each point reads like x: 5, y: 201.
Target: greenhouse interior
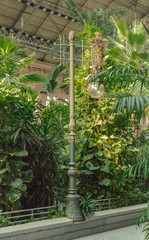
x: 74, y: 119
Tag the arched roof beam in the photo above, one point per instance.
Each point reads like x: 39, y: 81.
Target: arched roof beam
x: 51, y: 8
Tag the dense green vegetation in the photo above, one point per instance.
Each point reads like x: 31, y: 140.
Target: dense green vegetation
x: 104, y: 148
x: 97, y: 17
x: 34, y: 143
x: 31, y: 138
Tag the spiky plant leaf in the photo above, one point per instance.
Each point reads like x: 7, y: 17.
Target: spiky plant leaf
x: 56, y: 71
x: 136, y: 100
x: 122, y: 28
x: 146, y: 29
x: 51, y: 80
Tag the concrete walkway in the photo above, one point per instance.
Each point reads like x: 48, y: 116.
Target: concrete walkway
x: 126, y: 233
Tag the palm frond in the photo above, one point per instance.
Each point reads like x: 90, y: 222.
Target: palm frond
x: 146, y: 29
x: 141, y: 219
x: 122, y: 29
x: 132, y: 41
x: 32, y: 77
x: 121, y: 77
x: 141, y: 168
x: 12, y: 59
x: 136, y: 100
x: 51, y: 80
x: 56, y: 72
x: 146, y: 227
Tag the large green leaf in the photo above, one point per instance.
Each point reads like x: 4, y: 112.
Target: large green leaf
x: 56, y: 72
x: 29, y: 176
x: 22, y: 153
x: 118, y: 45
x: 92, y: 165
x: 86, y: 172
x: 82, y: 141
x: 3, y: 170
x: 14, y: 195
x: 3, y: 158
x: 17, y: 183
x: 105, y: 182
x: 105, y: 168
x: 88, y: 157
x: 98, y: 155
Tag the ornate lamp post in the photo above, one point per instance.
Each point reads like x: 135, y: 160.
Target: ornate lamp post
x: 72, y: 199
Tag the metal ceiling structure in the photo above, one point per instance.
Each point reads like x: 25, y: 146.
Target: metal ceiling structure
x: 37, y: 24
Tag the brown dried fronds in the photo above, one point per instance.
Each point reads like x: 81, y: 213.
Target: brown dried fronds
x: 97, y: 44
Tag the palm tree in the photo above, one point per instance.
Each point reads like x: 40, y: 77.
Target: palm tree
x: 51, y: 80
x: 127, y: 74
x: 97, y: 18
x: 128, y: 79
x: 12, y: 60
x: 130, y: 45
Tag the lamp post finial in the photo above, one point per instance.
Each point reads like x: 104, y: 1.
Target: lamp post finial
x: 71, y: 36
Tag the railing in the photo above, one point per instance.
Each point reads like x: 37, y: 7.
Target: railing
x: 34, y: 214
x: 27, y: 215
x: 104, y: 204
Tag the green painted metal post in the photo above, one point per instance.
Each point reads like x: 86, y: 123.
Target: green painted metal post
x: 72, y: 199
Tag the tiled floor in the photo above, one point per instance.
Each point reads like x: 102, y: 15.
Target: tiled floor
x: 127, y: 233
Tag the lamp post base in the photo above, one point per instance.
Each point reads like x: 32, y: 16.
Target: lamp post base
x: 72, y: 207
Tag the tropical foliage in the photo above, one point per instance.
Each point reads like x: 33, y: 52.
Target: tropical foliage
x: 88, y: 33
x: 130, y: 45
x: 98, y: 20
x: 97, y: 17
x: 129, y: 82
x: 34, y: 146
x: 30, y: 151
x: 127, y: 70
x: 51, y: 80
x: 30, y: 142
x: 12, y: 60
x: 104, y: 148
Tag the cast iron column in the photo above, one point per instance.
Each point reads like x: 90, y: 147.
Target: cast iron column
x: 72, y: 199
